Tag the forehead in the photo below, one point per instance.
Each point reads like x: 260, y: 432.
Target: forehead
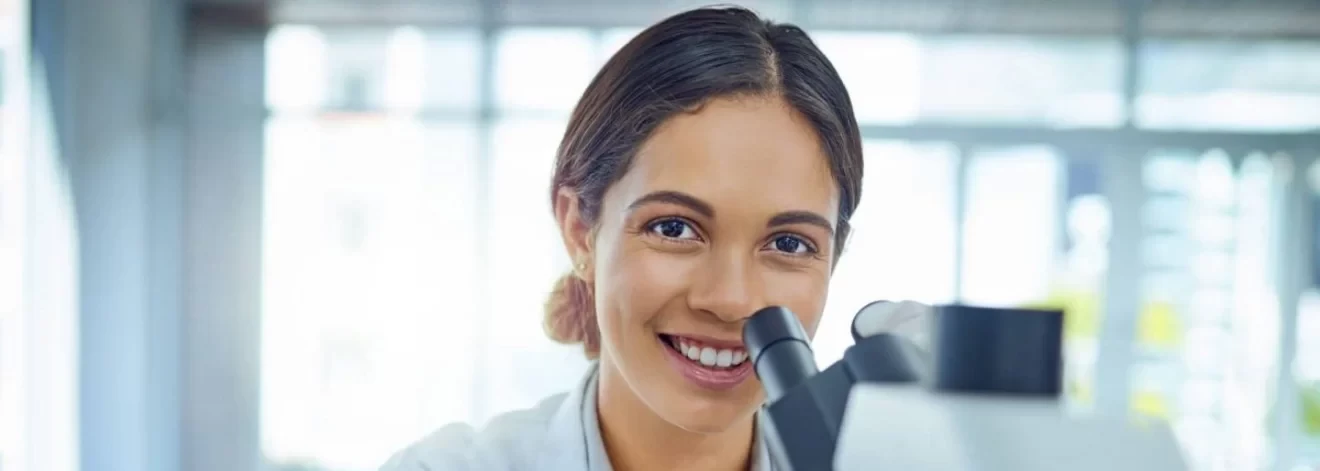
x: 757, y: 153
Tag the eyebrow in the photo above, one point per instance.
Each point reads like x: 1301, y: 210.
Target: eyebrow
x: 801, y: 217
x: 675, y: 197
x: 786, y: 218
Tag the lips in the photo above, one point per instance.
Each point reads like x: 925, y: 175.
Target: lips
x: 705, y: 353
x: 709, y: 365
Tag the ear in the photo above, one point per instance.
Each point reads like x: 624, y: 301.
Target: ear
x: 575, y: 231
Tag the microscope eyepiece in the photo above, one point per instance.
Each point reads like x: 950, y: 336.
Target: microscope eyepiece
x: 779, y: 349
x: 995, y: 350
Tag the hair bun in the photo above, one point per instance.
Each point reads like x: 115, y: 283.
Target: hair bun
x: 570, y: 315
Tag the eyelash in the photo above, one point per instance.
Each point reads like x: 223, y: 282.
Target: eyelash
x: 653, y: 228
x: 810, y: 248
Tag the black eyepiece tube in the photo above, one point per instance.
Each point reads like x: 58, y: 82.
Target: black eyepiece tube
x: 779, y: 349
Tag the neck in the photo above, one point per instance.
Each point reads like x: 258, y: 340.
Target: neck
x: 636, y: 438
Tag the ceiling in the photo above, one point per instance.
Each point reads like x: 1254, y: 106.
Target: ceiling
x: 1173, y: 18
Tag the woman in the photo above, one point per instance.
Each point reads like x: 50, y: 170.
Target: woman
x: 709, y: 170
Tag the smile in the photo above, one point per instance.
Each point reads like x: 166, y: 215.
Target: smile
x: 706, y: 355
x: 709, y: 365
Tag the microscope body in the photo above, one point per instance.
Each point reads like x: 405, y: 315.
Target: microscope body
x: 909, y: 428
x: 985, y: 397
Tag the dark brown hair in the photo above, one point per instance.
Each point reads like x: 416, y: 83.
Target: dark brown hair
x: 676, y: 66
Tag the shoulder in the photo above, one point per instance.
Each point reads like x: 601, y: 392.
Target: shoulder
x: 508, y: 443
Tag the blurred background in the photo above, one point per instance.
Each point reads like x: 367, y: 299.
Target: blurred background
x: 297, y: 235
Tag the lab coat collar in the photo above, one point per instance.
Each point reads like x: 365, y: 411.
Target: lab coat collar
x: 573, y: 443
x: 566, y: 445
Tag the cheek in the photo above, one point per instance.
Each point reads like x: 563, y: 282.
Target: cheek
x: 635, y: 285
x: 803, y: 293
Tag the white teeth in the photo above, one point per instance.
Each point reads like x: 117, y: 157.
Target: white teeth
x: 711, y: 357
x: 724, y: 358
x: 708, y: 356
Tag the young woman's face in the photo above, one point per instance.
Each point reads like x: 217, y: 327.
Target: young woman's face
x: 722, y: 212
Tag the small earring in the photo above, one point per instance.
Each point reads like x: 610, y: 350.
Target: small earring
x: 581, y: 267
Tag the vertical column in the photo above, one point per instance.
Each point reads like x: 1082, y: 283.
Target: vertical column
x: 222, y: 246
x: 960, y: 181
x: 1133, y: 11
x: 1296, y: 253
x: 1122, y: 186
x: 107, y: 153
x: 165, y: 150
x: 116, y: 69
x: 486, y: 115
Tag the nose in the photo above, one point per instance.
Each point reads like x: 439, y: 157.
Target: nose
x: 728, y: 287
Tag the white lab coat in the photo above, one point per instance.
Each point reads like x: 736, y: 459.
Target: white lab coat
x: 559, y: 434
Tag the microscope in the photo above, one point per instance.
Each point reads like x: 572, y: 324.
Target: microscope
x: 985, y: 396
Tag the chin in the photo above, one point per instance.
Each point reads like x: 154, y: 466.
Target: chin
x: 702, y: 412
x: 709, y: 418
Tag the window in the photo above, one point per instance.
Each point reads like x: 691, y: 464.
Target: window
x: 405, y: 271
x: 372, y: 308
x: 369, y: 287
x: 882, y: 73
x: 1010, y: 238
x: 1209, y: 318
x: 543, y: 70
x: 1049, y: 82
x: 1230, y: 85
x: 526, y: 256
x: 451, y: 69
x: 295, y: 68
x: 901, y: 78
x: 902, y: 243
